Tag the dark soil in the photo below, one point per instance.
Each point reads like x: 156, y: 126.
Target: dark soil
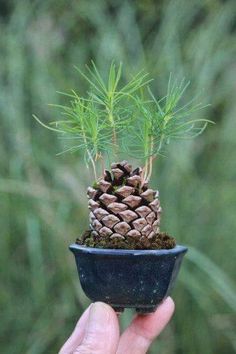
x: 159, y: 241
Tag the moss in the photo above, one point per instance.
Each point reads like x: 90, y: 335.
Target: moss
x: 115, y: 188
x: 159, y: 241
x: 95, y: 185
x: 124, y: 180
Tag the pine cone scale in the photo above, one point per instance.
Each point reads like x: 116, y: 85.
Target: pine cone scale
x: 122, y: 206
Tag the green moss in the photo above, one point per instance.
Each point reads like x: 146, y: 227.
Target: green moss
x: 115, y: 188
x: 159, y: 241
x: 124, y: 181
x: 95, y: 185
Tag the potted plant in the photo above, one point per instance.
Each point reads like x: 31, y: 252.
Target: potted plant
x: 123, y: 258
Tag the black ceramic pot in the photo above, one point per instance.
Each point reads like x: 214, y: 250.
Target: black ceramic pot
x: 138, y: 279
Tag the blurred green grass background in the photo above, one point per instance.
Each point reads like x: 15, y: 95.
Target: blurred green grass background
x: 43, y: 199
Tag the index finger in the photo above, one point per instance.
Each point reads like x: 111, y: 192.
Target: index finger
x: 137, y: 338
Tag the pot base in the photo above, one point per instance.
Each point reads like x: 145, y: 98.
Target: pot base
x: 139, y: 310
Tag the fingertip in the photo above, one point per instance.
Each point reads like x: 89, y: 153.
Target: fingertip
x: 145, y: 328
x: 153, y: 323
x: 166, y: 308
x: 77, y: 335
x: 102, y: 330
x: 104, y: 306
x: 104, y: 312
x: 169, y: 304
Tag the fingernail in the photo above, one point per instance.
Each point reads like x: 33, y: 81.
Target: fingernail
x: 98, y: 315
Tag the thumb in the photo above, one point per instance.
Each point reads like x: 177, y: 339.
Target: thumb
x: 102, y: 331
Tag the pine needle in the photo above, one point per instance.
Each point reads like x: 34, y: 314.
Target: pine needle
x: 114, y: 117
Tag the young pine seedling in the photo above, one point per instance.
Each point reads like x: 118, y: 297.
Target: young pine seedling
x: 115, y: 120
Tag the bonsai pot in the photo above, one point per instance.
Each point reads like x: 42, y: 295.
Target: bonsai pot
x: 139, y: 279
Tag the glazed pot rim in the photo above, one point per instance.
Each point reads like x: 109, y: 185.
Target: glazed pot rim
x: 122, y: 252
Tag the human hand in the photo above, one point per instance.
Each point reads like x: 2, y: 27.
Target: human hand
x: 97, y: 331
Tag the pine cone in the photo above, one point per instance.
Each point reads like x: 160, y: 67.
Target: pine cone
x: 120, y: 207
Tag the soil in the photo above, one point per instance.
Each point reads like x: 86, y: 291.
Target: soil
x: 159, y: 241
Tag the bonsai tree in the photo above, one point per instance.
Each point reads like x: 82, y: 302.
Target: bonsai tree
x: 128, y: 262
x: 117, y: 120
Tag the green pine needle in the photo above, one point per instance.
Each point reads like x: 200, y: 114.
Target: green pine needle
x: 116, y: 118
